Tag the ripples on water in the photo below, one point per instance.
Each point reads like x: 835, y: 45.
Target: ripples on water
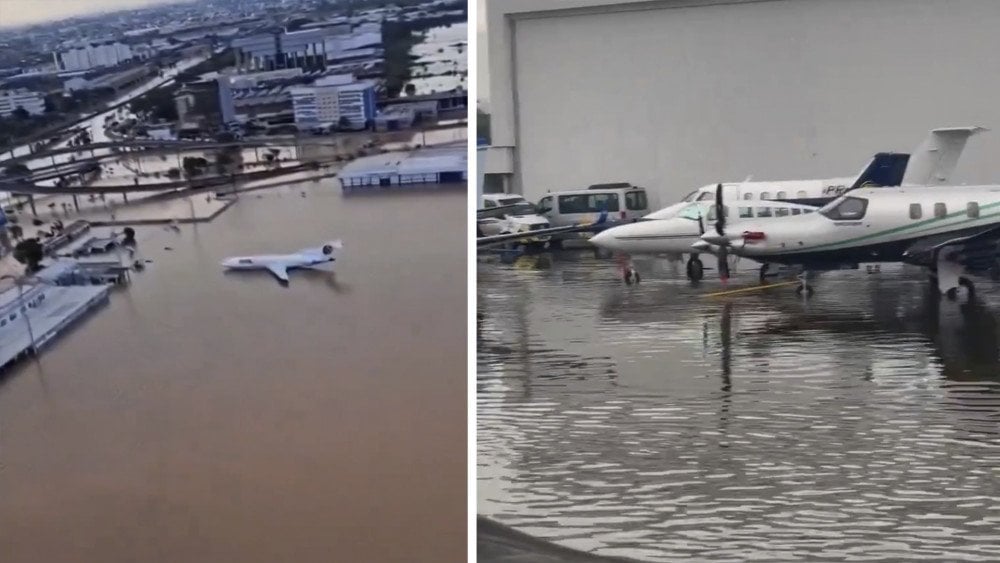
x: 655, y: 423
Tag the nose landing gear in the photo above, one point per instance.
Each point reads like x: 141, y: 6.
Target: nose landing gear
x: 695, y: 269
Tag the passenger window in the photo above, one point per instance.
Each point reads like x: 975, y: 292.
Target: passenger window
x: 746, y: 212
x: 804, y: 211
x: 940, y: 210
x: 748, y: 196
x: 765, y: 195
x: 796, y: 211
x: 711, y: 212
x: 782, y: 195
x: 781, y: 212
x: 972, y: 209
x: 706, y: 195
x: 763, y: 211
x: 916, y: 211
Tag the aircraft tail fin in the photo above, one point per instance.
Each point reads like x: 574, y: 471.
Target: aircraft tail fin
x: 934, y: 161
x: 884, y: 169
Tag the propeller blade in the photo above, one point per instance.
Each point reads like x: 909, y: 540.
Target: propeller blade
x: 720, y: 216
x: 701, y: 224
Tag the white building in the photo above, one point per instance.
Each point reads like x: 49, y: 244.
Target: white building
x: 32, y: 102
x: 93, y: 56
x: 332, y: 99
x: 675, y: 94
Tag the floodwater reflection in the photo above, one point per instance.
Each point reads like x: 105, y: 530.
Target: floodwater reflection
x: 653, y: 422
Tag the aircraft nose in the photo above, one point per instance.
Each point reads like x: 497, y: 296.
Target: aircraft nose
x: 605, y: 239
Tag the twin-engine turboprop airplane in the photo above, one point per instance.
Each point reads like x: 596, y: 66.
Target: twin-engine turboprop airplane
x: 278, y: 264
x: 950, y: 230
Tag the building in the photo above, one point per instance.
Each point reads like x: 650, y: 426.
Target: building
x: 675, y: 94
x: 424, y: 166
x: 309, y: 48
x: 93, y: 56
x: 335, y: 101
x: 198, y: 105
x: 32, y: 102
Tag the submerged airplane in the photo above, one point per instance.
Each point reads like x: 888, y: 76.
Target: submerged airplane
x: 950, y: 230
x: 931, y: 164
x: 279, y: 264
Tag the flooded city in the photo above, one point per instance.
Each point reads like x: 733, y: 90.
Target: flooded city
x: 657, y: 423
x: 204, y: 415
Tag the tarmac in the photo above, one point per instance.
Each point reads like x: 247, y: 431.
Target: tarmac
x: 496, y: 543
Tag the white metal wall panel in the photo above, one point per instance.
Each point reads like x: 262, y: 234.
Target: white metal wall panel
x: 675, y: 98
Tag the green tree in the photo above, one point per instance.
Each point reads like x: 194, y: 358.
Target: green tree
x: 21, y: 113
x: 30, y: 253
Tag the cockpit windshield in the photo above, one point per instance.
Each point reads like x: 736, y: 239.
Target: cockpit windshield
x: 692, y: 212
x: 690, y: 196
x: 845, y: 208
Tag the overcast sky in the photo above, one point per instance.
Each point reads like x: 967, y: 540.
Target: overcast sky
x: 21, y: 12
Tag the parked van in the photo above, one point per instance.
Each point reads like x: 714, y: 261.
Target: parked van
x: 624, y: 202
x: 510, y: 213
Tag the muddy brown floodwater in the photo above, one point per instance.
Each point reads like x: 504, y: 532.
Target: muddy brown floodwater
x: 204, y: 416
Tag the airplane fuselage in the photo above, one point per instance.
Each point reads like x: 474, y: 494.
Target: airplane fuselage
x: 868, y: 225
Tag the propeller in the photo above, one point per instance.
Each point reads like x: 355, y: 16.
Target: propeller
x: 720, y: 228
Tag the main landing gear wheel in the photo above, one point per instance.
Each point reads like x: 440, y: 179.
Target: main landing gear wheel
x: 695, y: 269
x: 952, y: 293
x: 802, y: 288
x: 763, y: 273
x: 631, y: 275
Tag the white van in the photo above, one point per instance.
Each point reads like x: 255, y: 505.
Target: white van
x: 625, y: 203
x: 510, y: 213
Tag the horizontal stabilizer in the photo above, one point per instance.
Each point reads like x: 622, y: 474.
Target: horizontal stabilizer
x: 934, y: 161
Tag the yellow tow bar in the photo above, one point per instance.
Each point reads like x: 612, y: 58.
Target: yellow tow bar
x: 749, y: 289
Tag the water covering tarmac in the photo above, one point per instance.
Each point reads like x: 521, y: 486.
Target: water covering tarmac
x: 656, y: 423
x: 206, y: 416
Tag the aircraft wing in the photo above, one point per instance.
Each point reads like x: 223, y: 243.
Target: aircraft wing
x: 279, y: 271
x: 496, y: 239
x: 966, y: 250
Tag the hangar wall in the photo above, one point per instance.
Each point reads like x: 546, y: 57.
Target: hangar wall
x: 673, y: 98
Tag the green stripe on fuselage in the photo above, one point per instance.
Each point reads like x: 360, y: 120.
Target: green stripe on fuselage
x: 931, y: 224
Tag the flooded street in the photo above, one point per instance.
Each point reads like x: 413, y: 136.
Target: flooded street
x: 205, y: 416
x: 656, y: 423
x: 441, y: 62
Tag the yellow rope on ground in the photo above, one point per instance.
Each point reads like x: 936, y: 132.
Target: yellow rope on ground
x: 746, y: 289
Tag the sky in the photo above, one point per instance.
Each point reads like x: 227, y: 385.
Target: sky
x: 23, y: 12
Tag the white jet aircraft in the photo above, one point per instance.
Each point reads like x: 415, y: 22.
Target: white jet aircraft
x: 279, y: 264
x: 931, y: 164
x: 950, y: 230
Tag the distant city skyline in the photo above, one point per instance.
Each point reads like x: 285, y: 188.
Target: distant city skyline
x: 14, y: 13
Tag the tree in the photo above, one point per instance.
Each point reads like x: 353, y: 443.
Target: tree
x: 410, y: 89
x: 21, y: 113
x: 344, y: 122
x: 222, y: 161
x: 194, y: 165
x: 30, y: 253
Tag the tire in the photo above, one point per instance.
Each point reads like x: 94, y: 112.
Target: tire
x: 695, y: 270
x: 806, y: 288
x: 763, y: 273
